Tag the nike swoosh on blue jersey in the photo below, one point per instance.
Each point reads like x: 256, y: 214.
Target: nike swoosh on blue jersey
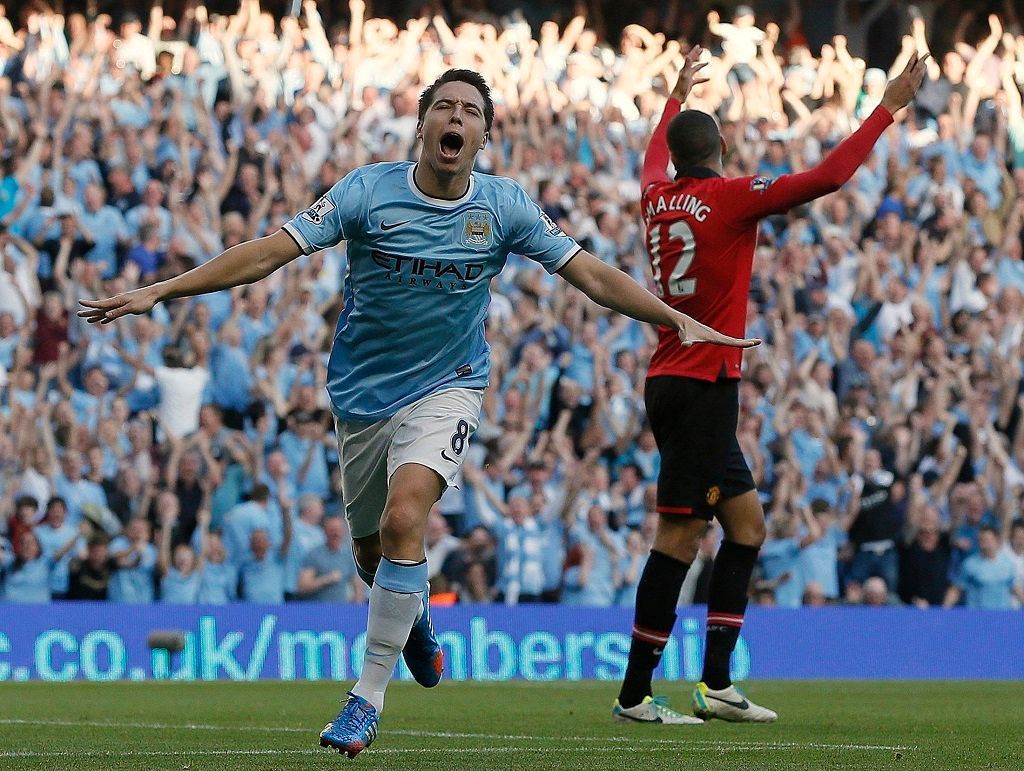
x: 386, y: 226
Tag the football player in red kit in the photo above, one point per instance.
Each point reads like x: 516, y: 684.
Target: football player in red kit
x: 701, y: 230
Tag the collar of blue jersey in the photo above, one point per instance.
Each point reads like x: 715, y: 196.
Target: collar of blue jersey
x: 444, y: 203
x: 700, y: 172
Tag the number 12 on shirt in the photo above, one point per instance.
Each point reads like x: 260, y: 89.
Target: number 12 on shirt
x: 672, y: 247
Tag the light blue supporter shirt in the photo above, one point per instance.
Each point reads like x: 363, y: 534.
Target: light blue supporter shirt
x: 263, y: 580
x: 987, y: 583
x: 52, y: 540
x: 178, y: 589
x: 30, y: 583
x: 305, y: 538
x: 780, y: 556
x: 599, y: 589
x: 317, y: 479
x: 520, y: 558
x: 417, y: 284
x: 107, y: 227
x: 231, y: 377
x: 819, y: 561
x: 218, y: 583
x: 239, y: 525
x: 134, y: 584
x: 78, y: 495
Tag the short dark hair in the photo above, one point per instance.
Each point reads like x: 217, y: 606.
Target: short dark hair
x: 475, y: 79
x: 693, y: 137
x: 820, y: 506
x: 26, y: 500
x: 56, y: 501
x: 260, y: 493
x: 173, y: 357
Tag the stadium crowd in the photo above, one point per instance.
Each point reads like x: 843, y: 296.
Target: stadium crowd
x: 189, y: 456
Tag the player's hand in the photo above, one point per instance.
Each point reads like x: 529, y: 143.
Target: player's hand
x: 902, y: 88
x: 692, y: 331
x: 688, y: 74
x: 137, y: 301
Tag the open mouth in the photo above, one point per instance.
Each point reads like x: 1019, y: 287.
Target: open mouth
x: 451, y: 145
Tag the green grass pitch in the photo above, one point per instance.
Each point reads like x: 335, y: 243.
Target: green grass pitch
x: 271, y: 725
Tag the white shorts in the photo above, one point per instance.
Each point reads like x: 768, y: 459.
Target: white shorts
x: 433, y: 432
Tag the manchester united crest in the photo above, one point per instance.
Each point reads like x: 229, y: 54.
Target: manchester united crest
x: 477, y: 228
x: 713, y: 495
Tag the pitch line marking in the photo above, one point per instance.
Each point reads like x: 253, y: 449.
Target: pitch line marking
x: 29, y: 754
x: 688, y: 741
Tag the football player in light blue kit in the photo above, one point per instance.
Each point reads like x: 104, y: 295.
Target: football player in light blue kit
x: 410, y: 360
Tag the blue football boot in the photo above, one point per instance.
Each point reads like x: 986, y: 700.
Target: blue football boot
x: 422, y: 652
x: 354, y: 729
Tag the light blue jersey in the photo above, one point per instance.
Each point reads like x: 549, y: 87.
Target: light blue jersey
x: 987, y: 583
x: 416, y: 287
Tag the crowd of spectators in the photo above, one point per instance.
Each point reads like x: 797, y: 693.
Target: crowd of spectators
x: 188, y: 456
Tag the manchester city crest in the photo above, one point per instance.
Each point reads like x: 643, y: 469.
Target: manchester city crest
x: 477, y: 228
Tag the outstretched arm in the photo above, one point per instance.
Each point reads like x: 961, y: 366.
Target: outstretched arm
x: 239, y: 265
x: 656, y: 159
x: 755, y: 199
x: 614, y: 289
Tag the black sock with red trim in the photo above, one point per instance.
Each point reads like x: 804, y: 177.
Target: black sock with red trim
x: 727, y: 602
x: 656, y: 597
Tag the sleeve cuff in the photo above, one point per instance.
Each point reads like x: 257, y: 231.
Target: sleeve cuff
x: 293, y: 231
x: 566, y: 258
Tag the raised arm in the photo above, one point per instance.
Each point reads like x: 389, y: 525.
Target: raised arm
x: 83, y: 530
x: 474, y: 478
x: 782, y: 194
x: 286, y: 528
x: 163, y: 558
x: 1014, y: 112
x: 203, y: 520
x: 986, y: 48
x: 917, y: 29
x: 814, y: 532
x: 655, y: 168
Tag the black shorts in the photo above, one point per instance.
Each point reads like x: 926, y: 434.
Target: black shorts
x: 694, y: 424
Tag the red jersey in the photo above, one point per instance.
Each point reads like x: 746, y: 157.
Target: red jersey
x: 700, y: 233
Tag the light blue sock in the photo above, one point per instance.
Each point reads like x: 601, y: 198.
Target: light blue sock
x: 396, y: 602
